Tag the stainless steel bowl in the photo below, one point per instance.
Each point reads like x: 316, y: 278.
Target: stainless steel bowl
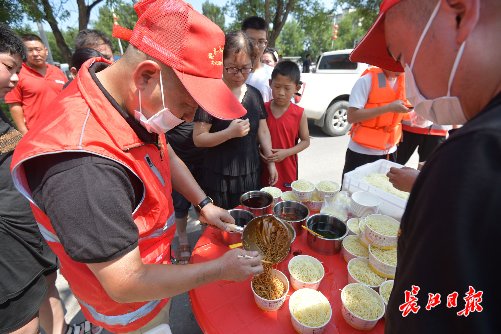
x: 242, y: 217
x: 292, y: 212
x: 258, y: 232
x: 333, y: 230
x: 259, y: 203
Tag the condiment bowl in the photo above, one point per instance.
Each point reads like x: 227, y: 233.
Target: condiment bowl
x: 332, y: 230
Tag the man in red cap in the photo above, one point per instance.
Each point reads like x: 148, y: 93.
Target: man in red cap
x: 446, y: 280
x: 98, y: 171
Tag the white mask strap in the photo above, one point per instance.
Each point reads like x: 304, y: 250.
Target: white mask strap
x: 140, y: 104
x: 162, y: 89
x: 423, y: 34
x: 455, y: 67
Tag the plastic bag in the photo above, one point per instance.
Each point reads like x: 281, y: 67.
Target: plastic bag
x: 337, y: 205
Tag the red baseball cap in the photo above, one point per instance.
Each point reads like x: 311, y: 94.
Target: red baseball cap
x: 172, y: 32
x: 372, y: 48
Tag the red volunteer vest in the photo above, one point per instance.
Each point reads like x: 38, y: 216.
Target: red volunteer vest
x: 81, y: 119
x: 385, y: 131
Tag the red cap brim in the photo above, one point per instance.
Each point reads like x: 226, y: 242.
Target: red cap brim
x: 213, y: 96
x: 372, y: 49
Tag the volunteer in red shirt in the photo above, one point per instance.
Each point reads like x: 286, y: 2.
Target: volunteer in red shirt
x: 39, y: 83
x: 101, y: 184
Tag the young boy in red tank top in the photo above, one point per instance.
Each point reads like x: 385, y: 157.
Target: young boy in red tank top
x: 287, y: 123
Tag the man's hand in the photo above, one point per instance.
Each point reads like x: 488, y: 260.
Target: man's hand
x: 239, y: 128
x: 218, y: 217
x: 397, y: 106
x: 403, y: 178
x: 238, y: 264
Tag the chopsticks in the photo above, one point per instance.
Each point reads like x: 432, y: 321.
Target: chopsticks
x: 250, y: 257
x: 312, y: 232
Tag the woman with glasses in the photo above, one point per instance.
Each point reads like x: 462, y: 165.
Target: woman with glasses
x: 232, y: 163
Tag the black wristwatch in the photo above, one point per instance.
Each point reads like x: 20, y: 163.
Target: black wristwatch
x: 203, y: 203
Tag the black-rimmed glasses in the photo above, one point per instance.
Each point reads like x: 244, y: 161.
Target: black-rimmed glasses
x: 235, y: 70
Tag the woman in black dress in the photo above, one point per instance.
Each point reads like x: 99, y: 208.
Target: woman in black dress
x: 232, y: 163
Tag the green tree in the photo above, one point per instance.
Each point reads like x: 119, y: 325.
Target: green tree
x: 127, y: 18
x: 214, y: 13
x: 316, y: 22
x: 291, y: 40
x: 367, y: 10
x: 11, y: 12
x: 350, y: 30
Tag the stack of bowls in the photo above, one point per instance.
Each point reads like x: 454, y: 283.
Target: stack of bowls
x: 293, y: 213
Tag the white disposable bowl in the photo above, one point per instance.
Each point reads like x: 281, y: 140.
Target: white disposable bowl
x: 364, y: 203
x: 301, y: 194
x: 273, y: 191
x: 320, y: 186
x: 362, y: 235
x: 382, y: 287
x: 275, y: 304
x: 348, y: 255
x: 297, y: 283
x: 381, y: 268
x: 298, y: 326
x: 378, y: 239
x: 353, y: 279
x: 354, y: 320
x: 353, y: 226
x: 289, y: 196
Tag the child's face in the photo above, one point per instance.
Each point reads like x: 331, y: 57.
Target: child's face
x: 10, y: 65
x: 283, y: 89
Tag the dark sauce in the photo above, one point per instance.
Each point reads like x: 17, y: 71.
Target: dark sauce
x: 329, y: 234
x: 256, y: 202
x: 291, y: 216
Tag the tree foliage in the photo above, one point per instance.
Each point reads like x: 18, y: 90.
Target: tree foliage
x: 127, y: 18
x: 214, y: 13
x: 291, y: 40
x: 316, y: 21
x: 11, y: 12
x: 351, y: 30
x: 366, y: 9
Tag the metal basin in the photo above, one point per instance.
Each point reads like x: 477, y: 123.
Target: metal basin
x: 332, y: 229
x: 242, y: 217
x: 293, y: 213
x: 259, y: 203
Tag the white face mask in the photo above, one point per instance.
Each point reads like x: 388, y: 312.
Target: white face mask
x: 162, y: 121
x: 445, y: 110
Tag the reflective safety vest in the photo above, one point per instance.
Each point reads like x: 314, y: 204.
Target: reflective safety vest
x: 384, y: 131
x: 82, y: 119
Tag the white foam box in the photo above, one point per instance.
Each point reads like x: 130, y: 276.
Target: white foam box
x: 353, y: 181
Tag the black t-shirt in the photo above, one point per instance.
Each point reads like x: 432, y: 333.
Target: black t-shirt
x: 181, y: 140
x: 89, y: 199
x: 450, y: 232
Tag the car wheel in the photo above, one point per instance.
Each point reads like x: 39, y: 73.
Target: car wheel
x: 336, y: 119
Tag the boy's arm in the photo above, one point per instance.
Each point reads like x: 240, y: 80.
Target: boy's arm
x: 17, y: 113
x: 304, y: 141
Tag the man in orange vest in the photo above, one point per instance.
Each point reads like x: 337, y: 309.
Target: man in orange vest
x: 99, y: 173
x: 377, y: 106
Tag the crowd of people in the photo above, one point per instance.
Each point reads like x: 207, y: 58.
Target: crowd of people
x: 99, y: 171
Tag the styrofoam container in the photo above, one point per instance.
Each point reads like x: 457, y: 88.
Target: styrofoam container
x: 353, y: 181
x: 378, y: 239
x: 381, y: 268
x: 275, y: 304
x: 296, y: 282
x: 364, y: 203
x: 354, y: 320
x: 302, y: 194
x: 353, y: 279
x: 300, y: 327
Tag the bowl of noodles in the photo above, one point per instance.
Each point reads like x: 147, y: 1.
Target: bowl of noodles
x: 352, y: 248
x: 310, y: 311
x: 303, y: 189
x: 305, y: 272
x: 385, y: 290
x: 270, y: 289
x: 383, y: 261
x: 381, y: 230
x: 273, y: 191
x: 362, y: 307
x: 327, y: 188
x: 289, y: 196
x: 359, y: 271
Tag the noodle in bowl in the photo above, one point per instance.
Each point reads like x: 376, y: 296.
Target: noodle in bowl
x: 310, y: 311
x: 305, y: 272
x: 362, y: 306
x: 273, y: 284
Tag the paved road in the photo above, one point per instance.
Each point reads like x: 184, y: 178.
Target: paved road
x: 323, y: 160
